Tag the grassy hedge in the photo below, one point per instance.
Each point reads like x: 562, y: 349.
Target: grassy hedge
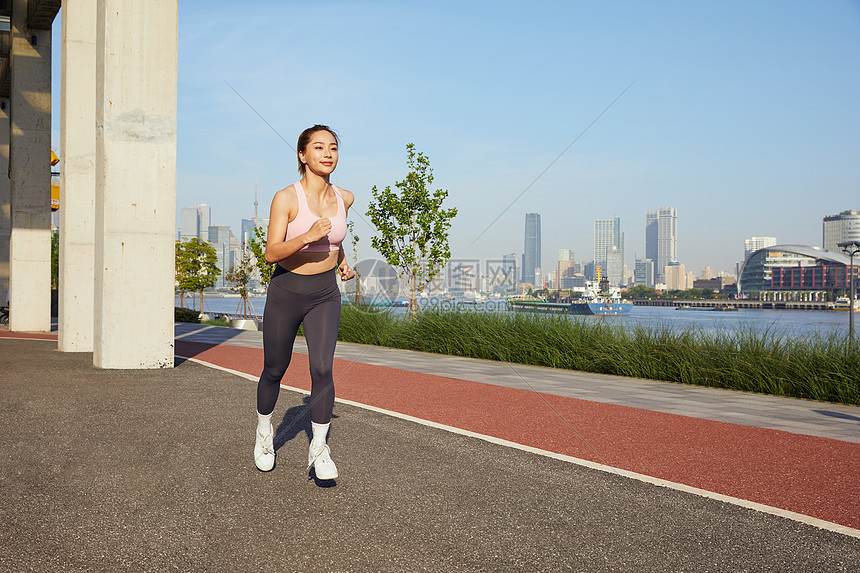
x: 186, y: 315
x: 819, y: 368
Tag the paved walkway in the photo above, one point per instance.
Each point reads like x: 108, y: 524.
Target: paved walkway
x: 151, y: 470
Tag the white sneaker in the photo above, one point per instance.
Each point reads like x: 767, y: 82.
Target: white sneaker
x: 319, y: 458
x: 264, y: 450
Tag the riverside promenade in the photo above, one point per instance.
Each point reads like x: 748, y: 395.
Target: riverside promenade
x: 447, y: 464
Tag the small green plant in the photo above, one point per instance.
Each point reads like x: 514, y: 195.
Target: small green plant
x: 55, y: 260
x: 186, y: 315
x: 239, y: 276
x: 358, y: 299
x: 257, y: 245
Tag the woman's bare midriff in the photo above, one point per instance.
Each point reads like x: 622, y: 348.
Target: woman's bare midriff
x: 304, y: 263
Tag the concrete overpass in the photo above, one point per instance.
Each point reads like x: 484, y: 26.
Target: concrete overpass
x: 118, y: 175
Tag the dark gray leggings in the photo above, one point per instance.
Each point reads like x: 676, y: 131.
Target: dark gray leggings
x: 294, y: 299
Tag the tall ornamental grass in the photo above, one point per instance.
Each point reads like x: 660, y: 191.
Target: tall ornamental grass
x: 819, y: 368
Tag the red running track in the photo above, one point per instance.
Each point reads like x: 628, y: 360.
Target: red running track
x: 814, y: 476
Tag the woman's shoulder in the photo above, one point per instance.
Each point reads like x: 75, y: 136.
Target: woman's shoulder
x: 287, y: 194
x: 286, y: 198
x: 348, y: 196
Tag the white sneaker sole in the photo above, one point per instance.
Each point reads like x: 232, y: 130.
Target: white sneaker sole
x: 263, y: 468
x: 324, y: 473
x: 325, y: 476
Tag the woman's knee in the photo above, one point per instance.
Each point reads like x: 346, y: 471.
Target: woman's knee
x: 272, y: 375
x: 321, y: 374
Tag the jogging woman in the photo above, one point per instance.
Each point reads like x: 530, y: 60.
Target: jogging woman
x: 307, y: 224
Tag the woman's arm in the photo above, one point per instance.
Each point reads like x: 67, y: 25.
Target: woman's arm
x: 277, y: 247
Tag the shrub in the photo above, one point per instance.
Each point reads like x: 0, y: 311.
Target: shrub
x: 186, y: 315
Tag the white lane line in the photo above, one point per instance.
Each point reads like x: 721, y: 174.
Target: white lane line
x: 808, y: 520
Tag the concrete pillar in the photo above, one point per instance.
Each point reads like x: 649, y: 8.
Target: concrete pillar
x: 136, y: 66
x: 77, y: 176
x: 5, y: 200
x: 30, y: 169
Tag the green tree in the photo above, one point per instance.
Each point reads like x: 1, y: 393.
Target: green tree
x: 412, y: 226
x: 239, y: 276
x: 196, y: 265
x: 181, y: 275
x: 257, y: 245
x: 350, y: 226
x: 642, y: 292
x: 55, y: 260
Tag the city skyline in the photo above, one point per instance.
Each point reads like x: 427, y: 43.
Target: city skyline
x: 756, y: 136
x: 607, y: 234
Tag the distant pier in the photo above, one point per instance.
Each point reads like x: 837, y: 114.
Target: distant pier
x: 765, y: 304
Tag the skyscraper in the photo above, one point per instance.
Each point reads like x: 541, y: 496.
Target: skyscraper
x: 189, y: 225
x: 248, y: 226
x: 753, y: 244
x: 195, y: 222
x: 676, y: 276
x: 509, y: 270
x: 609, y: 238
x: 531, y: 248
x: 661, y: 239
x: 220, y: 237
x: 615, y: 266
x: 842, y: 227
x: 644, y: 272
x: 565, y: 268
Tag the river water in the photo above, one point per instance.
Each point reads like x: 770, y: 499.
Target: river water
x: 793, y: 323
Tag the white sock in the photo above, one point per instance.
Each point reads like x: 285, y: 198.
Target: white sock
x: 264, y: 423
x: 320, y: 433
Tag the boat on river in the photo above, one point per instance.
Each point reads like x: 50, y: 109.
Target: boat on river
x: 716, y: 308
x: 844, y: 303
x: 602, y: 303
x: 592, y: 302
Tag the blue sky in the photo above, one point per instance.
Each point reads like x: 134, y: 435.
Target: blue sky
x: 745, y: 116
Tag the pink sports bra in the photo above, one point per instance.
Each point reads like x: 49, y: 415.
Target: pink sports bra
x: 304, y: 219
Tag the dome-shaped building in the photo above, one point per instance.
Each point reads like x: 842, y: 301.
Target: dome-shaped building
x: 795, y: 268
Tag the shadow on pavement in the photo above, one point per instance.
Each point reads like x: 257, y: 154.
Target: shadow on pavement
x: 839, y: 415
x: 211, y: 333
x: 297, y: 420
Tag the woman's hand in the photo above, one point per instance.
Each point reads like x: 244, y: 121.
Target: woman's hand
x: 346, y: 273
x: 320, y: 229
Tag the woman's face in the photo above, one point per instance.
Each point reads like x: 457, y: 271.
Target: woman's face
x: 320, y: 155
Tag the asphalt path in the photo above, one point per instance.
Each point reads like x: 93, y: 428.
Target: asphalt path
x: 151, y: 470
